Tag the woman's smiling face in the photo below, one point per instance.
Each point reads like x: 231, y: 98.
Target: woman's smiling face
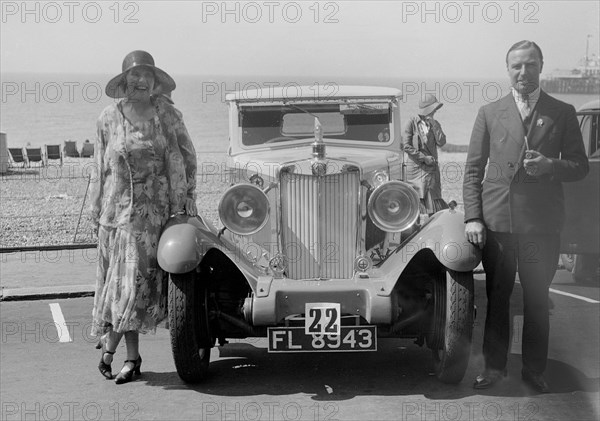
x: 140, y: 83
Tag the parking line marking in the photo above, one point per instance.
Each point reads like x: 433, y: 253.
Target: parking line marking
x: 578, y: 297
x: 59, y: 323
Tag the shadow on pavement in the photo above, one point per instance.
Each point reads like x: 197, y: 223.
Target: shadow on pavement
x: 397, y: 369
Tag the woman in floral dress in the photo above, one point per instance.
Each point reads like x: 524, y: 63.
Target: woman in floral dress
x: 146, y: 171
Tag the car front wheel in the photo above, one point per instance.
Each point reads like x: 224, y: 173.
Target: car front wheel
x: 452, y: 325
x: 188, y: 326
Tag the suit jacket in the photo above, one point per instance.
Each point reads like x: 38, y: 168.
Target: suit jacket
x: 496, y: 188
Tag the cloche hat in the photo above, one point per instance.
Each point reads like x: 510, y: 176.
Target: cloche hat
x: 429, y: 104
x: 115, y: 88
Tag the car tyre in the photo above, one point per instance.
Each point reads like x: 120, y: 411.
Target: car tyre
x: 189, y: 327
x: 453, y: 326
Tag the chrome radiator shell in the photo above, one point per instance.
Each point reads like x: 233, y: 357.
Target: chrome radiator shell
x: 320, y: 224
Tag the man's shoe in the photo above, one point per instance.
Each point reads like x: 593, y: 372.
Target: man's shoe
x: 489, y: 378
x: 536, y: 381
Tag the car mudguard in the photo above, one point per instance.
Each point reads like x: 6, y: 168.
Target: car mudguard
x: 185, y: 240
x: 183, y: 243
x: 444, y: 235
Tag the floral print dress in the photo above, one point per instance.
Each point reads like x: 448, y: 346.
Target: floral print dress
x: 144, y: 173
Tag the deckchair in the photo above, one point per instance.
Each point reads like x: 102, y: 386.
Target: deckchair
x: 34, y: 155
x: 17, y: 156
x: 70, y: 149
x: 87, y: 150
x: 52, y: 152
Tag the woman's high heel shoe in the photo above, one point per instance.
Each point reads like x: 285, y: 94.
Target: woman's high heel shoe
x: 105, y: 369
x: 128, y: 375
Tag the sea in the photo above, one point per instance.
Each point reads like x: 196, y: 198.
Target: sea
x: 38, y: 109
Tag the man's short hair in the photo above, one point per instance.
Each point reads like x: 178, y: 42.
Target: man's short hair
x: 523, y: 45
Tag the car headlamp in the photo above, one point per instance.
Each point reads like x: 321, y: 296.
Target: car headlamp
x: 394, y: 206
x: 244, y: 209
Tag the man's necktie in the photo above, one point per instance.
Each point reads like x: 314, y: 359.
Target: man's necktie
x: 525, y: 111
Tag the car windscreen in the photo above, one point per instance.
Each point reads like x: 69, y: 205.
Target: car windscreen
x: 346, y: 122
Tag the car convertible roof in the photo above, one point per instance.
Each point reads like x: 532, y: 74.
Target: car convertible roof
x: 291, y: 93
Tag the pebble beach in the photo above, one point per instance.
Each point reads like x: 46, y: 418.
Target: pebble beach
x: 42, y: 206
x: 45, y: 206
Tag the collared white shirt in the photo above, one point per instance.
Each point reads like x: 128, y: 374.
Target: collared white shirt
x: 423, y: 125
x: 526, y: 106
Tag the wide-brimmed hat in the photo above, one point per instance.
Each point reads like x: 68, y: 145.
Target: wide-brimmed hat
x: 429, y: 104
x: 115, y: 88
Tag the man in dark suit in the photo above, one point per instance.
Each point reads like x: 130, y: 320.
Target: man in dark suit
x: 522, y: 147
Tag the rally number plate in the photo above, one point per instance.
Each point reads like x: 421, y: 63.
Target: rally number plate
x: 350, y: 339
x: 323, y: 318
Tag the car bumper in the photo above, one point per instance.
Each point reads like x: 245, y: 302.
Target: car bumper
x: 278, y: 299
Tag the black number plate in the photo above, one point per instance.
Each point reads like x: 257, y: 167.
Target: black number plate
x: 350, y: 339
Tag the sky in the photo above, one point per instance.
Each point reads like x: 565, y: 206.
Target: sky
x: 459, y: 39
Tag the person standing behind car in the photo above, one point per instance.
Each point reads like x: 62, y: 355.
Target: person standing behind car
x: 522, y: 148
x: 422, y: 136
x: 146, y: 166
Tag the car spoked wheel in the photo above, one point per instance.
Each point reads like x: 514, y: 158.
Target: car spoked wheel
x: 189, y: 326
x: 452, y: 325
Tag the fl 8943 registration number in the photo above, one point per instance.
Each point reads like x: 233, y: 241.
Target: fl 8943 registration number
x: 322, y: 332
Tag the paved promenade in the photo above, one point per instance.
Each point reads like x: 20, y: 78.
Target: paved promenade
x: 47, y: 274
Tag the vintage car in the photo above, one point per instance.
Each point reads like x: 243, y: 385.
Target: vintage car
x: 580, y: 240
x: 323, y: 246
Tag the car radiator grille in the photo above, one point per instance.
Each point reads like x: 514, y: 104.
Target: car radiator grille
x: 319, y: 224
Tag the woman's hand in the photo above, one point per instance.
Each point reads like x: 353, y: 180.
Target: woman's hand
x: 190, y: 207
x: 429, y: 160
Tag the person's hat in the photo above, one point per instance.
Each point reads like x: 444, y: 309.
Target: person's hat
x: 429, y: 104
x: 115, y: 88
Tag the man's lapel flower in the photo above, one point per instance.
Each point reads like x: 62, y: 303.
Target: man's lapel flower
x: 540, y: 122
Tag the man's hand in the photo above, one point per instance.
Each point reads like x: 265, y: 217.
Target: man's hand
x: 190, y: 207
x: 475, y: 233
x: 536, y: 164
